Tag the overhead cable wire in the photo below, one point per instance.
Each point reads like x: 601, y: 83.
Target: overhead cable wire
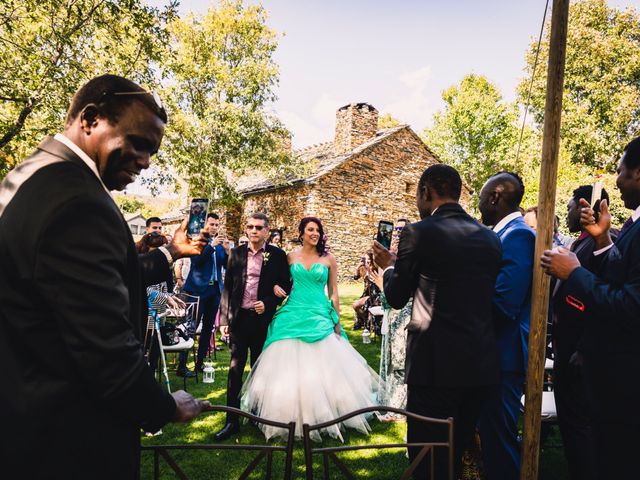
x: 533, y: 75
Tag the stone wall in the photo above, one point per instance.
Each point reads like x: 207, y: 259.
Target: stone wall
x: 356, y: 123
x: 284, y: 207
x: 379, y: 184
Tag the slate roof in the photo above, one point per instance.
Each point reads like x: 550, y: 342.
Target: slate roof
x: 131, y: 216
x: 326, y: 160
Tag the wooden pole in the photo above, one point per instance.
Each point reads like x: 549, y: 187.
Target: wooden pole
x: 546, y: 212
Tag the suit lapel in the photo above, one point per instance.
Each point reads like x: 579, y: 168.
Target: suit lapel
x: 243, y: 254
x: 628, y: 233
x: 265, y: 266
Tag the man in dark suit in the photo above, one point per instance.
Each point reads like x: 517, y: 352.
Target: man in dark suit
x: 499, y: 206
x: 609, y: 303
x: 248, y: 305
x: 205, y: 281
x: 449, y: 263
x: 77, y: 388
x: 569, y: 389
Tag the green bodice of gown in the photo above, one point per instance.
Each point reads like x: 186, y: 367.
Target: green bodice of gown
x: 308, y: 314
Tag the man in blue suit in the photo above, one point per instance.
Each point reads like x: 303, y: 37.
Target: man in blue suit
x: 205, y: 281
x: 500, y: 207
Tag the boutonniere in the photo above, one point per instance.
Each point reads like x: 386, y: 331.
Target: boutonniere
x: 265, y: 258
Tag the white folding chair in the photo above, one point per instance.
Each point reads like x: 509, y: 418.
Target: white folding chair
x: 376, y: 313
x: 153, y: 329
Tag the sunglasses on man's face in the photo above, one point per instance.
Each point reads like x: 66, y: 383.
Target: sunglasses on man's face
x: 256, y: 227
x: 398, y: 229
x: 243, y: 242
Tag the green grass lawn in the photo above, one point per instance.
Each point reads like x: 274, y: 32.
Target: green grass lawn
x: 212, y: 464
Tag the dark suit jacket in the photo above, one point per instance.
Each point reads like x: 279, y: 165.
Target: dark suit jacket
x: 569, y: 321
x: 197, y: 282
x: 512, y: 300
x: 275, y: 271
x: 76, y: 387
x: 610, y: 298
x: 449, y: 263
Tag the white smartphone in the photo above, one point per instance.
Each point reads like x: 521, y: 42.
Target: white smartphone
x: 596, y: 193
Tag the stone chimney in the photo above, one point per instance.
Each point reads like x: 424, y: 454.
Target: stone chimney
x: 356, y: 123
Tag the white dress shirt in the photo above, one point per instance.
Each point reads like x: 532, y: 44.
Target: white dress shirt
x: 503, y: 223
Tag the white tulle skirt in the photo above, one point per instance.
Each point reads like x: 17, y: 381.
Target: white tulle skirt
x: 310, y: 383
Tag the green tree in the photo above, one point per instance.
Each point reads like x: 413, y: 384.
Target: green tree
x: 129, y: 205
x: 48, y: 48
x: 476, y: 132
x: 388, y: 121
x: 601, y: 102
x: 221, y: 77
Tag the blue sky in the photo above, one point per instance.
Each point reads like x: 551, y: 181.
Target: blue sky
x: 397, y: 55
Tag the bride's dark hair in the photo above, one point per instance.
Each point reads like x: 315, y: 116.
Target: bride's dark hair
x: 320, y: 247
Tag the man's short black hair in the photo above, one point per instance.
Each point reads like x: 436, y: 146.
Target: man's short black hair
x: 584, y: 191
x: 402, y: 220
x: 632, y: 154
x: 100, y: 91
x: 443, y: 179
x: 213, y: 215
x: 151, y: 220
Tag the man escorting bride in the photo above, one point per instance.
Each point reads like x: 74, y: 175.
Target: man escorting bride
x: 308, y: 372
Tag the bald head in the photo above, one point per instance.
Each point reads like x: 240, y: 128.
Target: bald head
x: 511, y: 186
x: 500, y: 196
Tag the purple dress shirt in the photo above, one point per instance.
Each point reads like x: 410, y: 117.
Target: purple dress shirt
x: 254, y: 267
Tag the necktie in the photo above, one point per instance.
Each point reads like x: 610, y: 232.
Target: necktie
x: 625, y: 227
x: 214, y: 272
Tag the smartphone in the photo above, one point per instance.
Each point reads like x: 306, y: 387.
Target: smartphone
x: 385, y: 232
x: 596, y: 193
x: 232, y: 244
x: 197, y: 216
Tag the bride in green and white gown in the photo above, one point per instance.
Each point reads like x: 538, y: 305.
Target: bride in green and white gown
x: 308, y: 371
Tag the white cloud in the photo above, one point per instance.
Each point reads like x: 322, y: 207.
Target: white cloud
x: 415, y: 101
x: 318, y: 123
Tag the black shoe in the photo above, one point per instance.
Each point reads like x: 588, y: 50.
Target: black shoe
x: 199, y: 367
x: 226, y: 432
x: 185, y: 373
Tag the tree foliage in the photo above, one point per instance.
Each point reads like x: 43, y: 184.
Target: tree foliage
x: 601, y: 102
x: 216, y: 73
x: 48, y: 48
x: 476, y: 131
x: 130, y: 205
x: 221, y: 76
x: 386, y: 120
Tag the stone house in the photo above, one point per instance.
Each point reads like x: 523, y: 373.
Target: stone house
x: 363, y: 176
x: 137, y: 223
